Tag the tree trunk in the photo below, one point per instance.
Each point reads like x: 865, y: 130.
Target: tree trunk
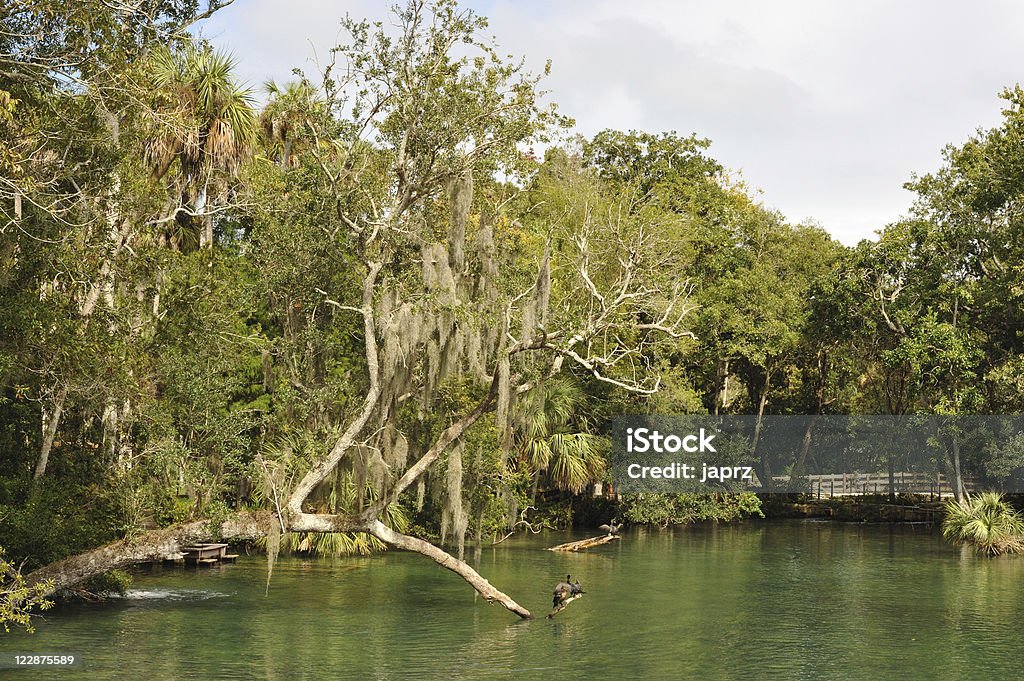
x: 805, y: 447
x: 286, y: 154
x: 110, y: 426
x: 150, y: 546
x: 721, y: 386
x: 583, y: 544
x: 957, y: 483
x: 50, y: 424
x: 208, y: 231
x: 449, y: 562
x: 319, y: 472
x: 766, y: 482
x: 104, y: 283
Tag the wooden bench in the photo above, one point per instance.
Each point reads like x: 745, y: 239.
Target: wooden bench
x: 205, y: 553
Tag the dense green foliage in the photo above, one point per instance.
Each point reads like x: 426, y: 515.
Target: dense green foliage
x: 179, y: 273
x: 680, y: 509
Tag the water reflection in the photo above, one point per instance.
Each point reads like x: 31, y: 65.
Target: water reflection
x: 786, y: 600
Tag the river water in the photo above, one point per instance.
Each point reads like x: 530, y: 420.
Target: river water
x: 768, y: 600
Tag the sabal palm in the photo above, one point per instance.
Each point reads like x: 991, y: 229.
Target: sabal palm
x: 285, y: 115
x: 203, y: 120
x: 571, y: 460
x: 986, y: 522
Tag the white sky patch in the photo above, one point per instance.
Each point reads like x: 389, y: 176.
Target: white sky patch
x: 829, y: 107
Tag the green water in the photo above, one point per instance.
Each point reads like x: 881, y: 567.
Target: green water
x: 772, y: 600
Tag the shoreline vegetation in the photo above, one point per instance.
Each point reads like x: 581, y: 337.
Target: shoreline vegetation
x: 396, y: 303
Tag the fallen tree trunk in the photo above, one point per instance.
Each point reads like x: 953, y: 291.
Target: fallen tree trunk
x: 150, y: 546
x: 158, y: 544
x: 585, y: 543
x: 450, y: 562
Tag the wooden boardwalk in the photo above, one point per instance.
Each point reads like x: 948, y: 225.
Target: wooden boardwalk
x: 935, y: 485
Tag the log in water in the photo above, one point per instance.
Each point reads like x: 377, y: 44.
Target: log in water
x: 584, y: 543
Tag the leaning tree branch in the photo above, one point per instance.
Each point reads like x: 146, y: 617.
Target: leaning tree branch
x: 326, y: 466
x: 450, y: 435
x: 449, y: 562
x: 156, y: 545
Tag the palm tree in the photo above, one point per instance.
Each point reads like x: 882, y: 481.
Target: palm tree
x: 570, y: 460
x: 986, y: 522
x: 283, y: 461
x: 203, y: 120
x: 285, y: 115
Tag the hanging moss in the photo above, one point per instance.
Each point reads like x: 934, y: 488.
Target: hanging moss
x: 435, y: 329
x: 504, y: 397
x: 273, y: 548
x: 486, y: 290
x: 445, y: 276
x: 454, y: 519
x: 528, y: 320
x: 475, y: 358
x: 461, y: 196
x: 399, y: 453
x: 428, y: 267
x: 543, y: 295
x: 376, y: 469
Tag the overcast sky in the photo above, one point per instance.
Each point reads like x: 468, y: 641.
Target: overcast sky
x: 826, y: 107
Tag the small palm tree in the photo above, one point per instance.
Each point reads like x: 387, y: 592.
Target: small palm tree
x: 571, y: 460
x: 203, y: 120
x: 285, y: 115
x: 986, y: 522
x: 283, y: 461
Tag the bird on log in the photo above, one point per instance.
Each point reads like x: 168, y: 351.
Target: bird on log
x: 612, y: 529
x: 566, y: 590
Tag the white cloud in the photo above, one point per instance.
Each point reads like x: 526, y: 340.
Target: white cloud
x: 828, y: 107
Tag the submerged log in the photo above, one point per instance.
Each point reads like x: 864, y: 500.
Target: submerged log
x: 564, y: 604
x: 584, y: 543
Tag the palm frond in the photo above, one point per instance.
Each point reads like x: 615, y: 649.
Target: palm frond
x: 201, y: 116
x: 986, y: 522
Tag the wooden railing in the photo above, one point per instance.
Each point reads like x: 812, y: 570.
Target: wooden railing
x: 846, y: 484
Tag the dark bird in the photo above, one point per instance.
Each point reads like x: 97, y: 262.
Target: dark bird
x: 612, y: 529
x: 563, y: 590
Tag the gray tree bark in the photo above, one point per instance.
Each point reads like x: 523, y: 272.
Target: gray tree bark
x: 50, y: 423
x: 449, y: 562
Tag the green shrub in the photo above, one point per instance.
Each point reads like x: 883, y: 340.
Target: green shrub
x: 113, y: 582
x: 986, y: 522
x: 681, y: 509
